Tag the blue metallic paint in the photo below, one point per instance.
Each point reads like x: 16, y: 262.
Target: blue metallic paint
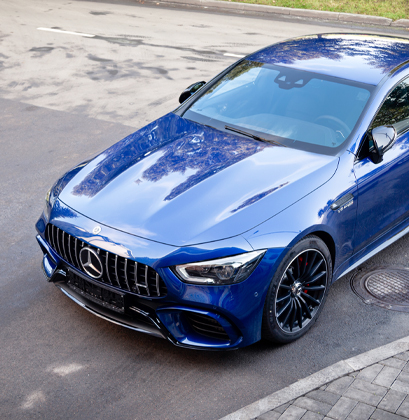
x: 313, y: 214
x: 229, y: 301
x: 392, y: 205
x: 186, y: 177
x: 179, y: 192
x: 359, y: 57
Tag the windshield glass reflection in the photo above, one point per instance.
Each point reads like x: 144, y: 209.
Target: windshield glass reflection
x: 287, y: 104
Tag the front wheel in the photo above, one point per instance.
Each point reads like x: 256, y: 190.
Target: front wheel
x: 297, y: 291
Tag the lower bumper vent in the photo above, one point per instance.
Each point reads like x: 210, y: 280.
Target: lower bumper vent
x: 207, y: 326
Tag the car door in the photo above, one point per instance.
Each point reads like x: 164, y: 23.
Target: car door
x: 383, y: 188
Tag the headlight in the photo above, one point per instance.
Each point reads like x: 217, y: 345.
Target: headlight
x: 226, y: 270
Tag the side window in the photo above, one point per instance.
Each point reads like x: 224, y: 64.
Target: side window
x: 395, y: 109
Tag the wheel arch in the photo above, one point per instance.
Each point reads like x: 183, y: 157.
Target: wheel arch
x: 287, y: 240
x: 303, y: 244
x: 326, y: 237
x: 329, y: 242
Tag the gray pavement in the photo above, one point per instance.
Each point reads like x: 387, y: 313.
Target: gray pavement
x: 371, y: 386
x: 65, y: 97
x: 378, y: 392
x: 139, y: 61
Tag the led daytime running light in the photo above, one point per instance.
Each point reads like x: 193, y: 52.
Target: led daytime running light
x: 226, y: 270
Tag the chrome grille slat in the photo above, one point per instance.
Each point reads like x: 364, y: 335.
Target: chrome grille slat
x: 126, y: 274
x: 116, y: 271
x: 136, y: 278
x: 144, y: 285
x: 63, y: 245
x: 76, y: 253
x: 71, y: 261
x: 146, y: 280
x: 120, y: 272
x: 107, y: 267
x: 58, y: 243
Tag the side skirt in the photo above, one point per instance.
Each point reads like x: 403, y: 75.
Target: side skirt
x: 374, y: 251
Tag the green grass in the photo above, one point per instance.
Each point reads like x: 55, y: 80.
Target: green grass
x: 393, y: 9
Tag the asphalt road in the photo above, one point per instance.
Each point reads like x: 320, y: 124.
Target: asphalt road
x: 65, y: 97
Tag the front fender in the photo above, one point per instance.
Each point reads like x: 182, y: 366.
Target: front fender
x: 313, y: 214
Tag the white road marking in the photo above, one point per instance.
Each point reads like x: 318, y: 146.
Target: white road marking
x: 92, y: 36
x: 66, y: 32
x: 233, y: 55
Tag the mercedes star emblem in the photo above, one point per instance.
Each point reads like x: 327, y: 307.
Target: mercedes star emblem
x: 96, y: 230
x: 91, y: 262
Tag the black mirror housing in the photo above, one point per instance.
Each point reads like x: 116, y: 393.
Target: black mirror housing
x: 190, y: 90
x: 383, y: 137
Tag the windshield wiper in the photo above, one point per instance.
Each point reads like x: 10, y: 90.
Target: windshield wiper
x: 253, y: 136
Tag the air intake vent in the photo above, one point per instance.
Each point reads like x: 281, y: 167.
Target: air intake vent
x: 206, y: 325
x: 120, y: 272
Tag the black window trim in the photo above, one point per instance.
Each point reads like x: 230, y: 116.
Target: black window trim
x: 367, y: 133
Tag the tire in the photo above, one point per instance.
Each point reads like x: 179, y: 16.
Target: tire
x: 298, y: 291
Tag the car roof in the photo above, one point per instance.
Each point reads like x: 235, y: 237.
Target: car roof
x: 365, y: 58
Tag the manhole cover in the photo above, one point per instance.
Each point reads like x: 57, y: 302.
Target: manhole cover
x: 384, y: 286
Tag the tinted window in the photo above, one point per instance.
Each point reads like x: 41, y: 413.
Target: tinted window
x: 298, y: 108
x: 395, y: 109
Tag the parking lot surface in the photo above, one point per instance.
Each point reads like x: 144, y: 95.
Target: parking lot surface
x: 65, y: 97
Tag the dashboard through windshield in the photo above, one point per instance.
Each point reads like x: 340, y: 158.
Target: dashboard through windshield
x: 299, y: 109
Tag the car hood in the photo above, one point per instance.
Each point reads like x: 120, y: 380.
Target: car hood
x: 182, y: 183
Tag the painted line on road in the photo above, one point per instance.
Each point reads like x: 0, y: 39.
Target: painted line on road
x: 318, y: 379
x: 93, y: 36
x: 66, y: 32
x: 233, y: 55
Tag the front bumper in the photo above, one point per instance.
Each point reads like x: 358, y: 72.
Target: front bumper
x: 177, y: 317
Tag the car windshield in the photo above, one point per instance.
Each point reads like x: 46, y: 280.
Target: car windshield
x: 296, y: 108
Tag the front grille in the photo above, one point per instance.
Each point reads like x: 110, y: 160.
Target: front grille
x: 207, y: 326
x: 118, y: 271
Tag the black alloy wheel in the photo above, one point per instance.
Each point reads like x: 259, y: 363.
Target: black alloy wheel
x: 298, y: 291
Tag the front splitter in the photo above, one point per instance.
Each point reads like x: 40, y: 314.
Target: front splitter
x: 116, y: 318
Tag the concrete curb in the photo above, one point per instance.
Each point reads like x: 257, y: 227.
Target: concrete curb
x: 258, y: 9
x: 318, y: 379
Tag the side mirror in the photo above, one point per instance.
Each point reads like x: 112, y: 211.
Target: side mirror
x: 383, y: 138
x: 189, y: 91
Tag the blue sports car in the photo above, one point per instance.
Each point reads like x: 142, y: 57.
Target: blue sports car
x: 227, y: 220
